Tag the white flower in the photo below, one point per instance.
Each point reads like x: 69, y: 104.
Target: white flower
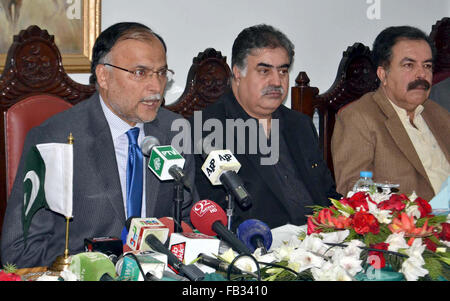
x: 302, y: 260
x: 353, y: 248
x: 416, y: 249
x: 351, y: 264
x: 330, y: 272
x: 383, y: 216
x: 412, y: 268
x: 396, y: 241
x: 413, y: 210
x: 335, y: 237
x: 314, y: 244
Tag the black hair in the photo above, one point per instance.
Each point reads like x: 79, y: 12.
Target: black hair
x: 382, y: 46
x: 109, y: 37
x: 257, y: 37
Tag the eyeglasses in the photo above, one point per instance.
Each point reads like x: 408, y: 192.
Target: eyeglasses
x: 142, y: 74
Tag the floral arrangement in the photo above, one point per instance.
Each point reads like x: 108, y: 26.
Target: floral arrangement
x: 9, y: 273
x: 366, y: 236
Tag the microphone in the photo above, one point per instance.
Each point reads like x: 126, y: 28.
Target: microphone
x: 218, y: 264
x: 165, y: 161
x: 140, y: 228
x: 190, y: 271
x: 210, y: 219
x: 221, y: 167
x: 92, y: 266
x: 255, y: 234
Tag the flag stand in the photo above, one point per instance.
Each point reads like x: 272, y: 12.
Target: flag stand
x: 62, y: 262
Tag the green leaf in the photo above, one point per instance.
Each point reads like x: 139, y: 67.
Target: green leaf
x: 344, y: 208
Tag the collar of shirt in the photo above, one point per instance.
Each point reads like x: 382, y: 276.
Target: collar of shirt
x: 402, y: 114
x: 118, y: 126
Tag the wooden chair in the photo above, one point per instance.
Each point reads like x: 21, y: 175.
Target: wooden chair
x: 440, y: 34
x: 356, y: 76
x: 208, y: 78
x: 33, y: 86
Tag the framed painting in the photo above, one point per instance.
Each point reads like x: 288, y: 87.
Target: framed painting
x: 74, y: 23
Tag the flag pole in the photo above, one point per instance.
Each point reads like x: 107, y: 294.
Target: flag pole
x: 62, y: 263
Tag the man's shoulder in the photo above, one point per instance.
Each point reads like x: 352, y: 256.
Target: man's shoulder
x: 364, y: 104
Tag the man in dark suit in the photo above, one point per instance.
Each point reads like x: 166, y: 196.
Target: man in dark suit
x: 282, y: 166
x: 130, y: 70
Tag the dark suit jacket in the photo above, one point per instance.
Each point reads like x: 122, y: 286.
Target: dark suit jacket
x: 98, y: 208
x: 268, y: 204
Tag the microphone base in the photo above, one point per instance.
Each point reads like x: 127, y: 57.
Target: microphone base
x: 61, y: 263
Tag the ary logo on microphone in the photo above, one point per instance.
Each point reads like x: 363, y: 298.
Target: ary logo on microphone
x: 203, y: 206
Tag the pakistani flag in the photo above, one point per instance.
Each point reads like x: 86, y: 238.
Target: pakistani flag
x: 47, y: 181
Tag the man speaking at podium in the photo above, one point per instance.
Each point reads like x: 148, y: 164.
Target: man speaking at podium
x: 110, y: 178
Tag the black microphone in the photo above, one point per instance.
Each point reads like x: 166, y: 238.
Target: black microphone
x: 220, y: 265
x: 210, y: 219
x: 190, y: 271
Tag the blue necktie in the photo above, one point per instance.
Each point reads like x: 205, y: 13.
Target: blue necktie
x: 134, y: 174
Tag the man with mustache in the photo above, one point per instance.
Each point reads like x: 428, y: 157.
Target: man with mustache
x: 129, y: 69
x: 396, y: 132
x: 281, y: 190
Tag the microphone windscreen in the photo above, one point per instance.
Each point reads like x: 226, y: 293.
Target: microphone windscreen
x: 148, y: 143
x: 168, y: 222
x: 251, y: 229
x: 204, y: 214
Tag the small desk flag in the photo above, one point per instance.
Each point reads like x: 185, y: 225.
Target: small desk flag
x: 48, y: 181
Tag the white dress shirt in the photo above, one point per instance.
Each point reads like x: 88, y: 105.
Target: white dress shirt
x: 433, y: 159
x: 119, y: 129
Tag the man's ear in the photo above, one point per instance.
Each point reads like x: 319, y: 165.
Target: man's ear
x: 102, y: 74
x: 381, y: 73
x: 236, y: 74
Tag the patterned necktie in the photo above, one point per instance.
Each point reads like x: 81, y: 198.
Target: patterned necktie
x: 134, y: 174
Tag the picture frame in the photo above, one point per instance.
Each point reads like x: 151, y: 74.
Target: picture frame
x: 74, y: 23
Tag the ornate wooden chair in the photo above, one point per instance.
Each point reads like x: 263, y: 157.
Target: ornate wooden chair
x: 440, y: 34
x: 208, y: 78
x: 33, y: 87
x: 356, y: 76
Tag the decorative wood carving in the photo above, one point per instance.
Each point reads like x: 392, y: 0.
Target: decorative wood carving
x: 208, y: 78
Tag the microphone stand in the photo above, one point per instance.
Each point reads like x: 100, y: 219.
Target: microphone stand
x: 178, y: 201
x: 229, y: 199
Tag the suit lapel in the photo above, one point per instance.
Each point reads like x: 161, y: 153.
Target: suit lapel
x: 104, y: 159
x: 435, y: 125
x: 152, y: 183
x: 398, y: 132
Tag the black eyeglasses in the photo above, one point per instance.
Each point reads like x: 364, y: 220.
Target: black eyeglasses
x: 142, y: 74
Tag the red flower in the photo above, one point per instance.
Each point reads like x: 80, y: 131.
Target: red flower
x: 445, y: 232
x: 325, y: 218
x: 357, y: 200
x: 395, y: 203
x: 424, y: 207
x: 312, y: 227
x: 364, y: 223
x: 430, y: 244
x: 376, y: 259
x: 9, y: 276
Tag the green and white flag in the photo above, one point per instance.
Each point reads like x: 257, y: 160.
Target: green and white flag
x: 48, y: 181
